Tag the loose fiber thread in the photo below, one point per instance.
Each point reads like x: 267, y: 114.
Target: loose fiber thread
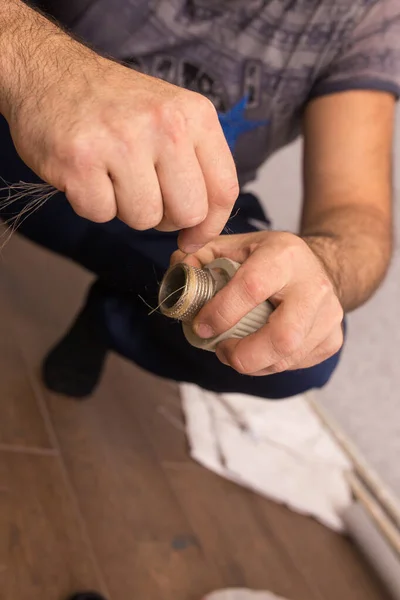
x: 38, y: 193
x: 153, y: 310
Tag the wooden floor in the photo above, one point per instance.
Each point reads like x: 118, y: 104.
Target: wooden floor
x: 102, y: 495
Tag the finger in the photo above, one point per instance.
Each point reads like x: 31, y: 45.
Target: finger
x: 137, y: 191
x: 222, y: 186
x: 178, y: 257
x: 328, y: 348
x: 260, y: 277
x: 165, y: 226
x: 323, y: 340
x: 206, y: 255
x: 92, y: 197
x: 235, y: 247
x: 189, y: 259
x: 182, y: 185
x: 285, y: 333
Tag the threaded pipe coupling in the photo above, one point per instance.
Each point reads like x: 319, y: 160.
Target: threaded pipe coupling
x: 185, y: 290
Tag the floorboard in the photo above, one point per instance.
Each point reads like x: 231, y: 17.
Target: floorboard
x: 114, y: 501
x: 44, y: 554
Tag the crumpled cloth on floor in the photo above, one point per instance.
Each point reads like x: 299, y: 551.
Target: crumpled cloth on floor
x: 238, y: 594
x: 279, y: 449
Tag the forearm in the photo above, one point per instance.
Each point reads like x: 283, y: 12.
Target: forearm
x: 354, y: 243
x: 31, y: 48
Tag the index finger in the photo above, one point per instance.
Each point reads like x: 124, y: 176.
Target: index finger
x: 274, y: 344
x: 219, y: 172
x: 259, y: 278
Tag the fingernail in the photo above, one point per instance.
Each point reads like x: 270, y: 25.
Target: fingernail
x: 192, y: 249
x: 204, y: 331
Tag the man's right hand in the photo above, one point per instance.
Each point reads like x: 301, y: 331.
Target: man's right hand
x: 117, y: 142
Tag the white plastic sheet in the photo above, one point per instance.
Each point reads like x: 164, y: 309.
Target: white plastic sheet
x: 278, y: 449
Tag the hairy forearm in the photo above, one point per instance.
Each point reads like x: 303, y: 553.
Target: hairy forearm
x: 26, y: 38
x: 354, y: 243
x: 33, y: 51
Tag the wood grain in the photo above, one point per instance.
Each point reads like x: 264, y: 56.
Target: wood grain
x: 221, y: 518
x: 43, y: 552
x: 142, y: 538
x: 121, y: 501
x: 21, y: 422
x: 342, y: 572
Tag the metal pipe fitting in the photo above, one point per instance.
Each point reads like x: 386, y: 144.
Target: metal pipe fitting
x: 185, y: 290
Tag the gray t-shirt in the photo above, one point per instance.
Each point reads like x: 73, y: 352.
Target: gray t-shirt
x: 259, y: 61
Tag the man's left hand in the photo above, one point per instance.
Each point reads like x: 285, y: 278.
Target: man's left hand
x: 306, y: 326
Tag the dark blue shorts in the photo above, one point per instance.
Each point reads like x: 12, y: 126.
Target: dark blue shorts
x: 129, y: 266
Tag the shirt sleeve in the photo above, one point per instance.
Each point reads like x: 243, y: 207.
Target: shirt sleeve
x: 370, y: 57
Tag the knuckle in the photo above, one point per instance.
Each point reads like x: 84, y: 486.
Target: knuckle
x: 143, y: 219
x: 79, y: 207
x: 335, y: 310
x: 279, y: 367
x: 141, y: 225
x: 229, y: 193
x: 170, y: 118
x: 324, y: 287
x: 334, y: 349
x: 80, y: 151
x: 190, y: 220
x: 103, y: 215
x: 232, y: 189
x: 336, y: 343
x: 93, y: 211
x: 290, y: 247
x: 288, y: 240
x: 218, y: 317
x: 285, y: 341
x: 339, y: 312
x: 78, y: 202
x: 144, y: 222
x: 217, y: 314
x: 331, y: 346
x: 252, y: 287
x: 240, y: 365
x: 205, y: 107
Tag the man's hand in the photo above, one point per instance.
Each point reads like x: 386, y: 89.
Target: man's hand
x: 340, y: 259
x: 306, y: 326
x: 117, y: 142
